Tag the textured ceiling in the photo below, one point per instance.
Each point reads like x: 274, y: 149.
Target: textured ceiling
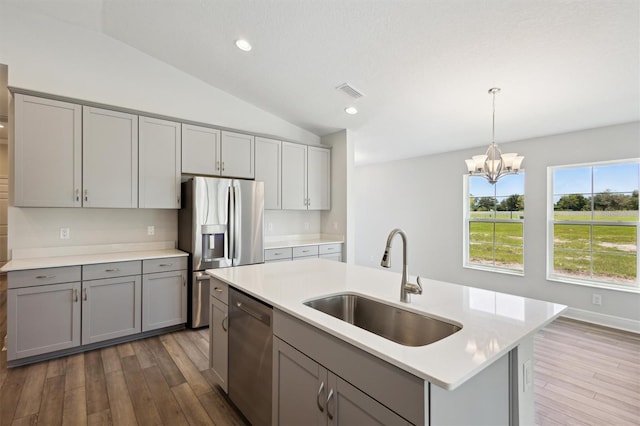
x: 424, y: 66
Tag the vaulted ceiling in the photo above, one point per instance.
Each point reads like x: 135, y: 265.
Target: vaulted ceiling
x: 424, y: 66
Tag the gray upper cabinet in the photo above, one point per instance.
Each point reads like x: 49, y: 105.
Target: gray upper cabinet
x: 200, y: 150
x: 109, y: 158
x: 318, y: 178
x: 268, y: 170
x: 48, y: 143
x: 159, y: 163
x: 294, y: 176
x: 238, y: 152
x: 306, y: 177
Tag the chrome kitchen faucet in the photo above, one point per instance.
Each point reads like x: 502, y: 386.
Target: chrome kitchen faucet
x: 406, y: 288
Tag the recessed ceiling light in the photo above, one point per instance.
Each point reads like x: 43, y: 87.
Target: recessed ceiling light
x: 243, y: 45
x: 351, y: 110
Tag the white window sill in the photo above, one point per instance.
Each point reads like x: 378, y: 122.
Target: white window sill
x: 595, y: 284
x: 494, y: 269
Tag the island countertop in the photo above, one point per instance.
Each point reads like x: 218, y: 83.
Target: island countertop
x: 492, y: 323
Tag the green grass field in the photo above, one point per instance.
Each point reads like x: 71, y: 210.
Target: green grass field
x: 601, y: 252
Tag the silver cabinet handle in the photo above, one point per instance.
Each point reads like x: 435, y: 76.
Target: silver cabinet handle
x: 308, y: 202
x: 112, y: 270
x: 225, y: 328
x: 86, y: 195
x: 277, y: 254
x: 165, y: 265
x: 75, y: 295
x: 45, y: 277
x: 320, y: 407
x: 77, y: 194
x: 218, y: 289
x: 223, y: 166
x: 329, y: 248
x: 84, y: 294
x: 305, y: 251
x: 217, y: 165
x: 329, y: 413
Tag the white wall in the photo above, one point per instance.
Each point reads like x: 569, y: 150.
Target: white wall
x: 53, y: 57
x: 424, y: 197
x: 339, y: 220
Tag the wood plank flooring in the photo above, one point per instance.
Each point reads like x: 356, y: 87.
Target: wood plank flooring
x: 584, y: 375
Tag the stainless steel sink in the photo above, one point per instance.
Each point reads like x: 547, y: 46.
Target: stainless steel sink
x: 399, y: 325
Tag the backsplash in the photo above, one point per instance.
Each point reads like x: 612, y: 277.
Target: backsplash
x: 291, y: 222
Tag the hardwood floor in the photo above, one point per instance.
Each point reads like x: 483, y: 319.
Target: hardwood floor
x: 584, y: 375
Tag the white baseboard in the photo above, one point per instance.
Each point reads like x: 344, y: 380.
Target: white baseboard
x: 603, y: 319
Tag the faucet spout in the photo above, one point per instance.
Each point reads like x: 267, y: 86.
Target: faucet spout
x: 406, y: 288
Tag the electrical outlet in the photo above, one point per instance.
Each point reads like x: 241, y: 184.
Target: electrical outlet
x: 596, y: 299
x: 335, y: 226
x: 270, y: 226
x: 65, y: 233
x: 306, y: 226
x: 151, y: 230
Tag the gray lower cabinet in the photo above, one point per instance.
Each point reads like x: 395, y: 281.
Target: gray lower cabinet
x: 110, y: 308
x: 218, y: 332
x: 164, y: 299
x: 219, y: 342
x: 307, y: 393
x: 42, y: 319
x: 56, y: 309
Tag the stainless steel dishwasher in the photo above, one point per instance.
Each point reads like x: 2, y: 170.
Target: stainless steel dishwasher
x: 250, y: 356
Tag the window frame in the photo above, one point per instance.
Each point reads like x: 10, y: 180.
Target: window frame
x: 466, y: 220
x: 588, y: 282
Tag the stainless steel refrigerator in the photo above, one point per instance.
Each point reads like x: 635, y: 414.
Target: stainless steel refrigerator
x: 220, y: 224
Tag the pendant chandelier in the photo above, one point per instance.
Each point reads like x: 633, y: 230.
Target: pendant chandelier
x: 494, y: 164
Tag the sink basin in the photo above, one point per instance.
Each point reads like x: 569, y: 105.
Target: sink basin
x: 399, y: 325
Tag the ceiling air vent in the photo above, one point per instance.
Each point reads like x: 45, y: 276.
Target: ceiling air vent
x: 350, y: 91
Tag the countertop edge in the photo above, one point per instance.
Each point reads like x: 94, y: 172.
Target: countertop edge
x: 89, y: 259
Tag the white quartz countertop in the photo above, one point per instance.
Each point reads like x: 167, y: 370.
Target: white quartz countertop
x: 88, y: 259
x: 492, y: 323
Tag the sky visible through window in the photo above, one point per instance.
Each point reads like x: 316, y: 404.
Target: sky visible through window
x: 615, y: 178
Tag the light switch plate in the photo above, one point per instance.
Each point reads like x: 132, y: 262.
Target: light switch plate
x: 151, y: 230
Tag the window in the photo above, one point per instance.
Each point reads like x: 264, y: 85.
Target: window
x: 494, y: 224
x: 593, y: 224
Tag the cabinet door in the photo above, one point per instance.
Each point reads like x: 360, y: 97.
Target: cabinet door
x: 48, y: 138
x: 109, y: 158
x: 160, y: 146
x: 333, y: 256
x: 348, y: 405
x: 294, y: 176
x: 319, y: 178
x: 300, y: 388
x: 238, y: 155
x: 110, y: 308
x: 164, y: 299
x: 219, y: 342
x: 200, y: 150
x: 42, y: 319
x: 268, y: 171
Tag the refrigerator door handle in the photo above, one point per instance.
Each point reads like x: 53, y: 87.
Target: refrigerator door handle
x: 229, y: 240
x: 236, y: 219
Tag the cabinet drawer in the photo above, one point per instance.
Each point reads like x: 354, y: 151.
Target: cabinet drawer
x: 220, y: 290
x: 330, y: 248
x: 163, y: 265
x: 34, y: 277
x: 111, y: 270
x: 277, y: 253
x: 305, y: 251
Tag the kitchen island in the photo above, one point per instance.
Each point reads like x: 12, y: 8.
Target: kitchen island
x: 482, y: 374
